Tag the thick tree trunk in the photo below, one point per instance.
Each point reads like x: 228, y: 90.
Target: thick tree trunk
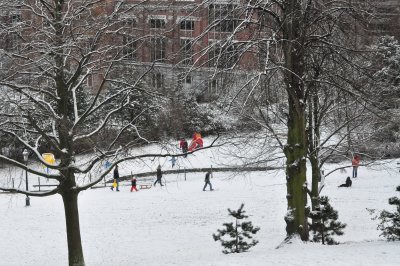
x: 75, y: 252
x: 295, y: 152
x: 296, y: 148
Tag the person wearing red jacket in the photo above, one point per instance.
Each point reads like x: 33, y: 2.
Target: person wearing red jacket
x: 355, y: 162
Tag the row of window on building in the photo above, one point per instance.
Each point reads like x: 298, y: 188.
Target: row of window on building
x: 217, y: 56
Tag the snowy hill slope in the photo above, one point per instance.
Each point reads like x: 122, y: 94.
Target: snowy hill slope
x: 173, y: 225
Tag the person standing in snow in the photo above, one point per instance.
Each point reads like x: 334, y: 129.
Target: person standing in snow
x: 207, y: 181
x: 159, y: 176
x: 116, y: 179
x: 133, y: 181
x: 184, y: 146
x: 355, y: 162
x: 173, y: 161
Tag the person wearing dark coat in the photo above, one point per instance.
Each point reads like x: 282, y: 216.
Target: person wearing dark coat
x: 159, y: 176
x: 348, y: 182
x: 207, y: 181
x: 184, y: 146
x: 116, y: 178
x: 133, y: 180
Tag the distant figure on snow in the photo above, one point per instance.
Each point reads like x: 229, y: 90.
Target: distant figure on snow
x: 196, y: 143
x: 173, y: 161
x: 184, y: 146
x: 133, y: 181
x: 159, y: 176
x: 207, y: 181
x: 348, y: 183
x: 116, y: 179
x: 355, y: 162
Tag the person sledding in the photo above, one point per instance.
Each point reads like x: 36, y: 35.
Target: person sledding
x: 196, y: 143
x: 348, y: 183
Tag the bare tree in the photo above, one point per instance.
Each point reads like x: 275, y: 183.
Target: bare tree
x: 55, y: 52
x: 294, y: 45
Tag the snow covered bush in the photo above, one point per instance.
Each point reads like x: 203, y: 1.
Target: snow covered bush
x: 238, y: 233
x: 390, y: 221
x: 325, y: 224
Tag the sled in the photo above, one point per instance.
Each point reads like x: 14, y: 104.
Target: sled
x: 145, y: 186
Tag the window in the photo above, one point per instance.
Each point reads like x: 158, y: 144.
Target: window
x: 89, y: 81
x: 222, y: 17
x: 15, y: 18
x: 14, y: 41
x: 262, y: 18
x: 130, y: 23
x: 188, y: 79
x: 46, y: 23
x: 223, y: 57
x: 157, y: 80
x: 157, y: 23
x: 212, y: 87
x: 158, y: 49
x: 129, y: 49
x: 186, y: 51
x: 262, y: 53
x: 187, y: 25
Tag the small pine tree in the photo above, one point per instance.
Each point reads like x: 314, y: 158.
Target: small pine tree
x: 390, y: 221
x: 238, y: 233
x: 325, y: 224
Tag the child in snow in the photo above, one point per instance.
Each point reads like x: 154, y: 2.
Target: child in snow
x: 173, y: 161
x: 348, y: 183
x: 184, y: 146
x: 116, y: 179
x: 133, y: 180
x: 207, y: 181
x: 355, y: 162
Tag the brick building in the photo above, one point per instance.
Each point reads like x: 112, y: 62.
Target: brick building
x: 181, y: 43
x: 176, y: 42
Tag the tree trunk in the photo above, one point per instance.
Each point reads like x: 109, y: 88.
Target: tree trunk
x: 295, y: 152
x: 75, y: 252
x: 237, y: 237
x: 296, y: 148
x: 313, y: 146
x: 314, y: 182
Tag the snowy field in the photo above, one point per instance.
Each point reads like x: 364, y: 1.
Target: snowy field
x: 173, y: 225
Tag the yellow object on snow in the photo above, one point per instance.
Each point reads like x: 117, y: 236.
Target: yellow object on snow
x: 49, y: 158
x: 115, y: 184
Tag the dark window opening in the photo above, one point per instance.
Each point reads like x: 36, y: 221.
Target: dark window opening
x: 158, y: 49
x: 222, y: 18
x: 187, y: 25
x: 186, y: 51
x: 157, y: 23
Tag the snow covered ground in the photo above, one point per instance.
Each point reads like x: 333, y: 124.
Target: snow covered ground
x: 173, y: 225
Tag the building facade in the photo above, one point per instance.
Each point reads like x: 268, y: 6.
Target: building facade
x: 177, y: 43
